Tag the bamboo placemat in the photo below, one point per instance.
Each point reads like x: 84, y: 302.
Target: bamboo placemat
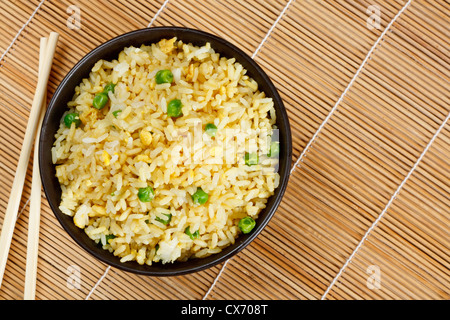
x: 366, y: 84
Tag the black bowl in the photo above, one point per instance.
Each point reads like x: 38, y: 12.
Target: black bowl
x: 110, y: 51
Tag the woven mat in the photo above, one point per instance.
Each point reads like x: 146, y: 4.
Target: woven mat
x: 366, y: 85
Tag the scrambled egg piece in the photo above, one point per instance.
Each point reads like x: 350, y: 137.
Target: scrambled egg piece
x: 106, y: 158
x: 90, y: 115
x: 97, y: 211
x: 146, y: 137
x: 215, y: 151
x: 81, y: 218
x: 167, y: 46
x: 143, y: 157
x: 190, y: 73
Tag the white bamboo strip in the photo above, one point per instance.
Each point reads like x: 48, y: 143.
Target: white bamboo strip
x: 393, y: 197
x: 20, y: 31
x: 361, y: 67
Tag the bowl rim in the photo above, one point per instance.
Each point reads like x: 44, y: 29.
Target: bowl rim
x: 281, y: 113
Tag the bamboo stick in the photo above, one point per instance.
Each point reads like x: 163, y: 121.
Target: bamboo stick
x: 16, y: 190
x: 35, y: 202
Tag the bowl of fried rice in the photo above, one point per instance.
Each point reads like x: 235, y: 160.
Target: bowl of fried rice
x: 165, y: 151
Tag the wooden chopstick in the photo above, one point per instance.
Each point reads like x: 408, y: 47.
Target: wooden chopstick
x: 35, y: 200
x: 19, y: 179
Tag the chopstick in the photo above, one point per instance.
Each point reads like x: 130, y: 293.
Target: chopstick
x: 35, y: 200
x: 19, y: 179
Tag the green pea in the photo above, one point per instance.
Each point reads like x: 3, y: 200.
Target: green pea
x: 100, y: 100
x: 116, y: 113
x: 72, y: 118
x: 164, y: 76
x: 165, y: 222
x: 174, y: 108
x: 274, y: 149
x: 211, y: 129
x: 109, y: 88
x: 251, y: 159
x: 194, y: 235
x: 246, y: 224
x: 146, y: 194
x: 200, y: 196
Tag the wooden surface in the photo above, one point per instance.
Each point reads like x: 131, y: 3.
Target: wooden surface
x: 368, y: 198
